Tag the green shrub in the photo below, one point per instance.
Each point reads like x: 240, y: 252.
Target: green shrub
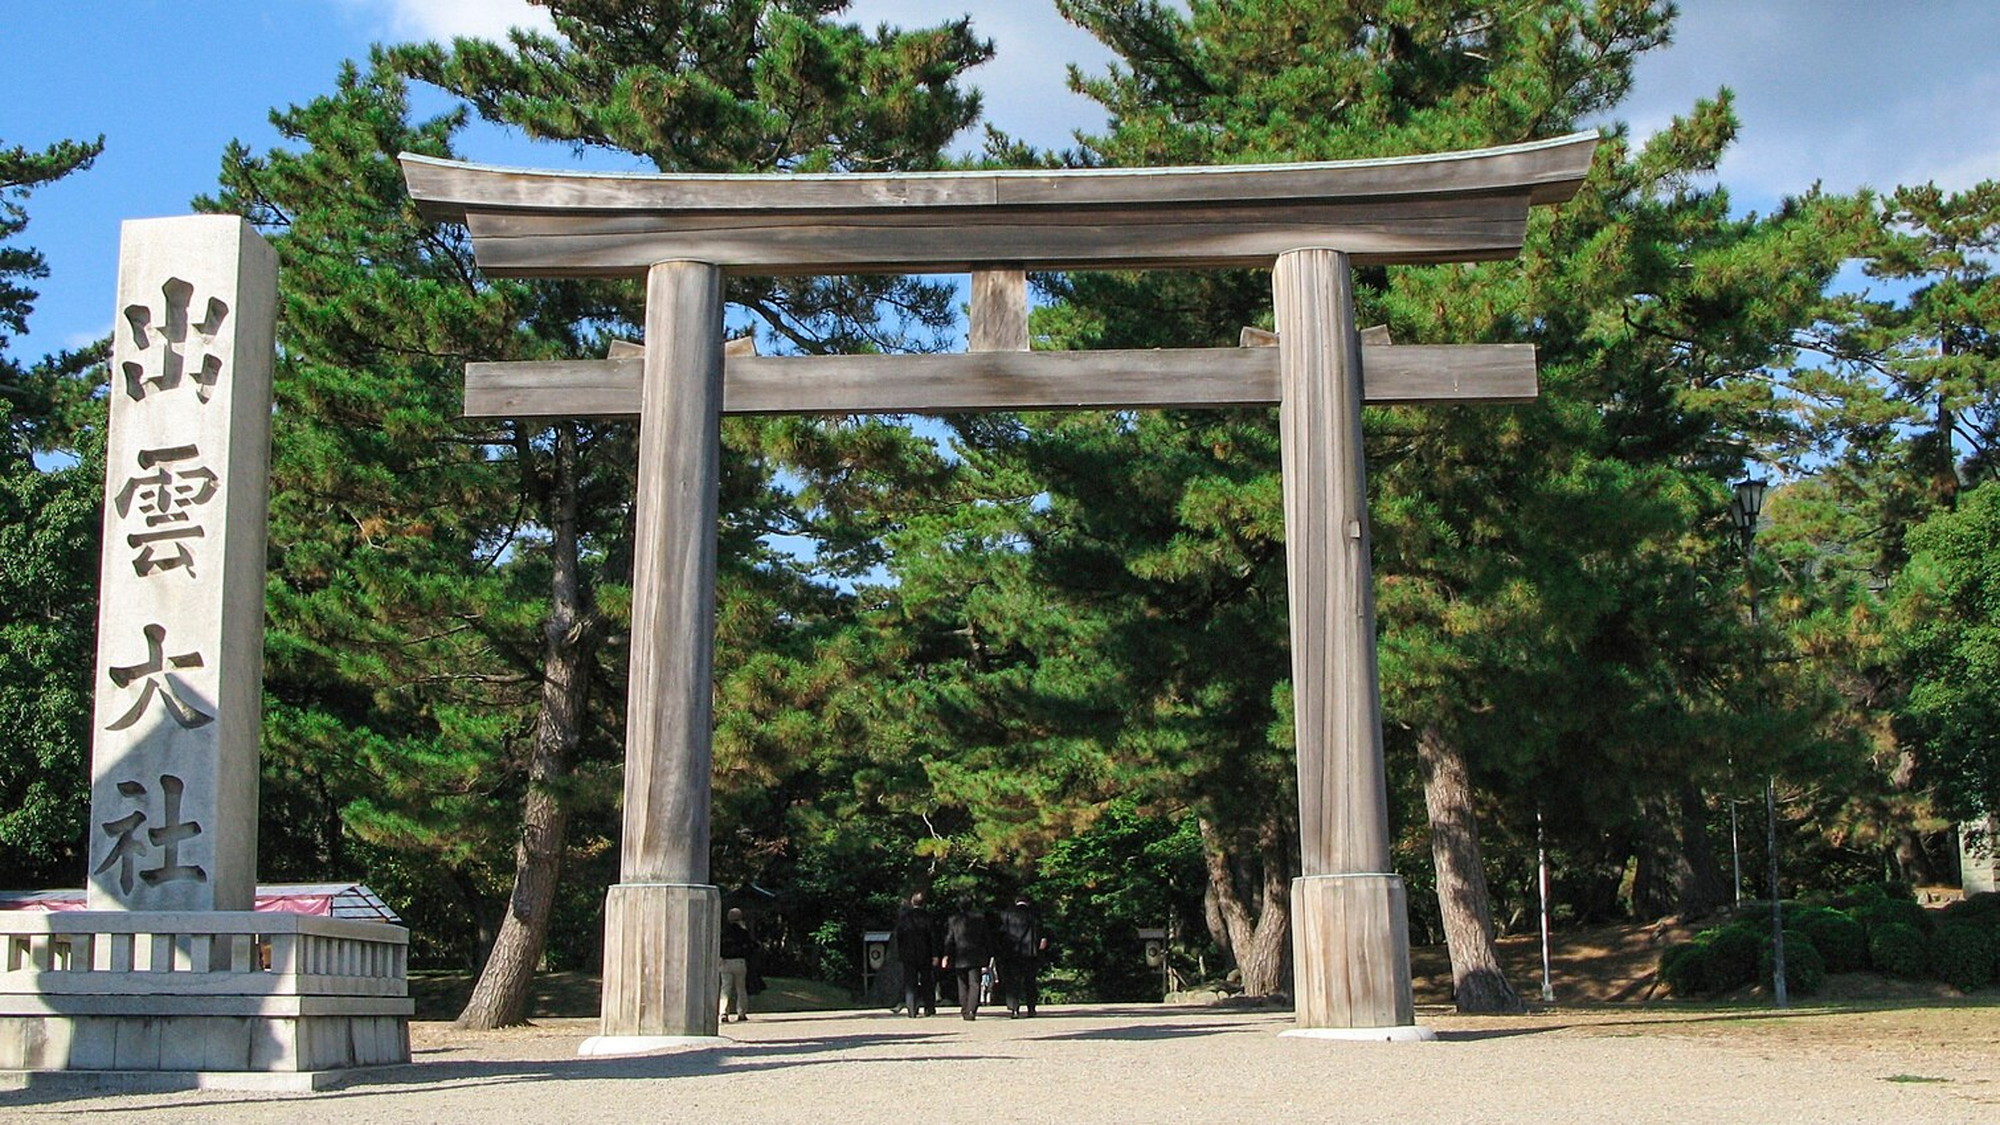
x: 1981, y: 910
x: 1893, y: 912
x: 1893, y: 891
x: 1842, y: 942
x: 1896, y: 949
x: 1684, y: 968
x: 1733, y: 952
x: 1805, y: 970
x: 1962, y: 956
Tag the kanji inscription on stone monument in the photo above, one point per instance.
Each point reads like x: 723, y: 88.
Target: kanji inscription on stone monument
x: 181, y: 604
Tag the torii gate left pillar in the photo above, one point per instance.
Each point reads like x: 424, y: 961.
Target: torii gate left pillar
x: 662, y: 919
x: 1350, y: 924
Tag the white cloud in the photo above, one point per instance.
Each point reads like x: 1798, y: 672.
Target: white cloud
x: 1025, y: 87
x: 450, y: 19
x: 1846, y: 92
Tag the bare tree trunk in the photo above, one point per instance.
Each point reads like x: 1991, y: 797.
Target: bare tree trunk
x: 570, y: 637
x: 1677, y: 872
x: 485, y: 919
x: 1478, y: 984
x: 1258, y: 941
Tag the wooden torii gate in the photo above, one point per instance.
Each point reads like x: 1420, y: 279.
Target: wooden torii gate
x: 1308, y: 223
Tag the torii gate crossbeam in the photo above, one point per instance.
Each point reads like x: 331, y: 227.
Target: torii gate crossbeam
x: 1309, y: 223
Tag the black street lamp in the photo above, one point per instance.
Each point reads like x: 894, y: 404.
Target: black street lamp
x: 1743, y: 511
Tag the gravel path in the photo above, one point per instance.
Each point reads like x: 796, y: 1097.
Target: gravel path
x: 1160, y: 1065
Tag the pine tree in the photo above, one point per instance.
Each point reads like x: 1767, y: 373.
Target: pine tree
x: 412, y: 553
x: 49, y: 529
x: 1896, y: 419
x: 1531, y: 563
x: 447, y: 575
x: 1947, y: 606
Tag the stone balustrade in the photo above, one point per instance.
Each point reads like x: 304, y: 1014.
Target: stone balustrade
x: 201, y: 991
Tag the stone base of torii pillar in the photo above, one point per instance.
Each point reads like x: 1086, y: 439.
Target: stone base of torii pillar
x: 662, y: 990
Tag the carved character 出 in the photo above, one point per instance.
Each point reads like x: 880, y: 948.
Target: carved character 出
x: 184, y: 348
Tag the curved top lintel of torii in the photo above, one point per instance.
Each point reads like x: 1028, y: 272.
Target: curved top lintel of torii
x: 1457, y: 206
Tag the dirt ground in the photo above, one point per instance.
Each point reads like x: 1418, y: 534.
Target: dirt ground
x: 1626, y: 1065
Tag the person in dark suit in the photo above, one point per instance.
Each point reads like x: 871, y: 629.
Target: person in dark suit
x: 1018, y: 949
x: 916, y: 949
x: 968, y: 945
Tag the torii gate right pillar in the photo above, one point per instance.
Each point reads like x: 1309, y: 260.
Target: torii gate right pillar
x: 1350, y: 932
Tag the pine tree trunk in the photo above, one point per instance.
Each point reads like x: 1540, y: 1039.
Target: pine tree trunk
x: 1913, y: 860
x: 500, y: 998
x: 1703, y: 889
x: 1478, y: 984
x: 1677, y: 872
x: 1659, y: 866
x: 1257, y: 942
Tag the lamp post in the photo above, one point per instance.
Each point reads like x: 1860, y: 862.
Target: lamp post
x: 1743, y: 511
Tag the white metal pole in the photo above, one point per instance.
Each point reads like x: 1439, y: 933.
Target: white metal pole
x: 1542, y: 877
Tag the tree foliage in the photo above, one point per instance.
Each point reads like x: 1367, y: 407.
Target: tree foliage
x: 1947, y: 609
x: 51, y: 473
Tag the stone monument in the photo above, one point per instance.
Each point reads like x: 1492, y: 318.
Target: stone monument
x: 170, y: 975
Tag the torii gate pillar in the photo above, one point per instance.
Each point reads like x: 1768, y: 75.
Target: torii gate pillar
x: 1350, y: 932
x: 662, y: 920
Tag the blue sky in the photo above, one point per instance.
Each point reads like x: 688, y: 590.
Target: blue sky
x: 1844, y: 91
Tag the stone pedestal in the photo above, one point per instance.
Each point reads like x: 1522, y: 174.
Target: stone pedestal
x: 145, y: 999
x: 662, y: 987
x: 1352, y: 974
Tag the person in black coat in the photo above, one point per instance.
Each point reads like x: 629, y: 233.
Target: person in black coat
x: 739, y: 967
x: 916, y: 949
x: 968, y: 945
x: 1018, y: 950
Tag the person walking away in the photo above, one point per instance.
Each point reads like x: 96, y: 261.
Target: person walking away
x: 916, y: 949
x: 968, y: 944
x: 739, y: 949
x: 1018, y: 949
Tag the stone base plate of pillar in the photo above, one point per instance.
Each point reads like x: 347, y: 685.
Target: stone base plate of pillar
x: 1408, y: 1033
x: 616, y: 1046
